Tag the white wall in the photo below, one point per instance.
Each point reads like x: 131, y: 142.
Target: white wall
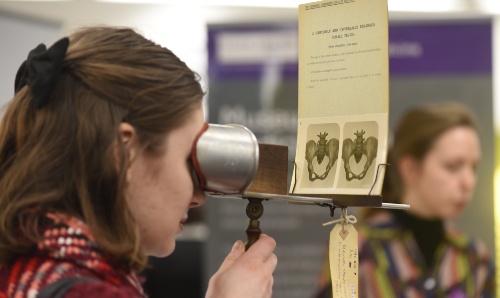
x: 18, y: 36
x: 179, y: 28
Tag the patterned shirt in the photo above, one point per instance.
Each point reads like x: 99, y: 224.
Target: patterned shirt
x: 391, y: 264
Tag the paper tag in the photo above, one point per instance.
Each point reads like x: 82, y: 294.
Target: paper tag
x: 344, y: 261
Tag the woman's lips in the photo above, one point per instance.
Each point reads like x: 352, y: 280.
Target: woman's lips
x: 181, y: 226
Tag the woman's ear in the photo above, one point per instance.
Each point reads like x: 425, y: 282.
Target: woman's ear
x: 127, y: 131
x: 408, y: 168
x: 129, y: 138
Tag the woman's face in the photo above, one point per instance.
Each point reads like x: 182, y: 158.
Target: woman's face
x: 161, y: 191
x: 446, y: 177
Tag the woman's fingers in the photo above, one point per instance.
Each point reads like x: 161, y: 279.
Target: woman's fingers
x: 262, y: 249
x: 236, y: 251
x: 246, y: 274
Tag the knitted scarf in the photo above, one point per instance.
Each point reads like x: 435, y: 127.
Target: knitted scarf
x: 68, y: 248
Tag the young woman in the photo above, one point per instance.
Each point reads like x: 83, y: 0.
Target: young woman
x: 95, y: 171
x: 418, y: 253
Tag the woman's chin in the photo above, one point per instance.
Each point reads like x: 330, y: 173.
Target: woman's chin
x: 452, y: 215
x: 162, y: 252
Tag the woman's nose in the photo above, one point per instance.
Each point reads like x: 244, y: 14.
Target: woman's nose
x: 198, y: 197
x: 469, y: 180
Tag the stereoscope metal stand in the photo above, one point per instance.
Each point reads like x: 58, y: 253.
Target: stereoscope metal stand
x: 270, y: 183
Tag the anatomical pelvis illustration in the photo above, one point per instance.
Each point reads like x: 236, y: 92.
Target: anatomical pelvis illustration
x: 358, y: 147
x: 319, y: 150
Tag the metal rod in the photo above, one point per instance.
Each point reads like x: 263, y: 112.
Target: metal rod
x: 300, y: 200
x: 292, y: 198
x: 395, y: 206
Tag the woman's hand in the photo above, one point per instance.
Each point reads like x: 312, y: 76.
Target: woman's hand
x: 246, y: 274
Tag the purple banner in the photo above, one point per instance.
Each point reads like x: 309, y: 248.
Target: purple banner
x: 244, y: 51
x: 440, y: 48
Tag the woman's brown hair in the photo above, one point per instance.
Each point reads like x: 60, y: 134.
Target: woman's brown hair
x: 68, y: 157
x: 415, y: 134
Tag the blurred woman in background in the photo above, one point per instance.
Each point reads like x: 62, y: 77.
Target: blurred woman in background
x: 419, y: 253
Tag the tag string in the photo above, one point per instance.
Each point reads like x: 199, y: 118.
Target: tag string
x: 345, y: 219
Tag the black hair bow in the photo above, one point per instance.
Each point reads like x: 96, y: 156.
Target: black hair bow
x: 41, y: 70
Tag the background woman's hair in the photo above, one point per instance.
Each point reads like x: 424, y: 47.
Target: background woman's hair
x: 415, y: 134
x: 68, y: 156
